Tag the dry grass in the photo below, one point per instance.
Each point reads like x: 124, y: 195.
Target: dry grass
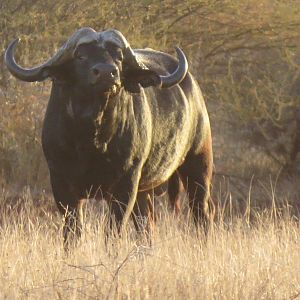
x: 238, y: 260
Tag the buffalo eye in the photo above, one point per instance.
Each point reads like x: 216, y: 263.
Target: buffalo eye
x: 114, y: 51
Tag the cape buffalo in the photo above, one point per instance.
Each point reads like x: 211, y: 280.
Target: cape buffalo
x: 122, y: 121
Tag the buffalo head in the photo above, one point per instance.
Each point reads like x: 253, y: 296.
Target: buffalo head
x: 103, y: 61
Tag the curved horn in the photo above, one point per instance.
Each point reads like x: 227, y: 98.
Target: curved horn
x: 113, y: 36
x: 34, y: 74
x: 116, y: 37
x: 39, y: 73
x: 167, y: 81
x: 178, y: 75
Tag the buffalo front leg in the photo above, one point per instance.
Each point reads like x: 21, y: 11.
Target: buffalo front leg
x: 143, y: 215
x: 124, y: 197
x: 73, y: 224
x: 196, y: 174
x: 70, y: 205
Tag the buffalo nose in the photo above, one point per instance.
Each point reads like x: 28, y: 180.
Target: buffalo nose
x: 103, y: 71
x: 114, y: 71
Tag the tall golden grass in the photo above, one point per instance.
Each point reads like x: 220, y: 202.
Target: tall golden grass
x: 238, y: 260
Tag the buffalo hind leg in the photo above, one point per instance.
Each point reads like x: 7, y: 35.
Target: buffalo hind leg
x: 174, y: 189
x: 196, y: 174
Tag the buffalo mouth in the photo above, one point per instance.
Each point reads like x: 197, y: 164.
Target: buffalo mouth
x: 107, y: 86
x: 114, y: 89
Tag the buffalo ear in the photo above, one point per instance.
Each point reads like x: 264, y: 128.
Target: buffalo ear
x: 134, y: 79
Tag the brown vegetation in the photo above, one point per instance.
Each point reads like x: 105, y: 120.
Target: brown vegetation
x: 243, y: 54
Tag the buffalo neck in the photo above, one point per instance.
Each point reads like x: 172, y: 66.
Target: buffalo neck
x: 94, y: 118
